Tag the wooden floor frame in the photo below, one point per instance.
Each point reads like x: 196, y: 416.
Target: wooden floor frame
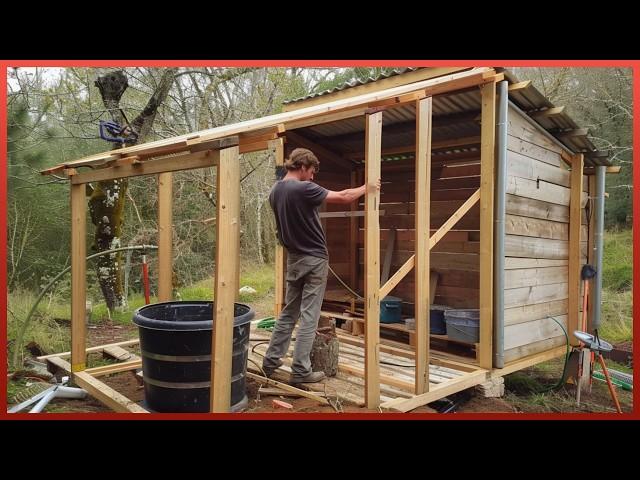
x: 446, y: 376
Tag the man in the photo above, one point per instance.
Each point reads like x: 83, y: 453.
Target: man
x: 295, y: 200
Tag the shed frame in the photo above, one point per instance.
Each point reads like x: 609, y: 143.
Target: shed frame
x: 221, y: 147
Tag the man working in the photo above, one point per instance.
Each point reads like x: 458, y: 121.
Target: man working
x: 295, y: 200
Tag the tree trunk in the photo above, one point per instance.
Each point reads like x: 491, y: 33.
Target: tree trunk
x: 107, y: 198
x: 324, y: 353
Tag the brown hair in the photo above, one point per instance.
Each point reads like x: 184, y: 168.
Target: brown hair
x: 302, y: 157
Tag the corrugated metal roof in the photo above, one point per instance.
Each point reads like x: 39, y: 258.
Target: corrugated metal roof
x: 354, y: 83
x: 526, y: 97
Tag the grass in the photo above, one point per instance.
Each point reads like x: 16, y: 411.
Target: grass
x: 44, y: 329
x: 617, y: 261
x: 525, y: 391
x: 616, y: 323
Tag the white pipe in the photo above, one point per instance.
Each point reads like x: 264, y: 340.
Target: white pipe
x: 44, y: 401
x: 71, y: 392
x: 28, y: 402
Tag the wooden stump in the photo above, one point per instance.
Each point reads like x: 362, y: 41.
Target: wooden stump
x: 324, y: 353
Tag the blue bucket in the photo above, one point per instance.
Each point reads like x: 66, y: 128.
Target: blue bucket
x: 391, y: 310
x: 437, y: 324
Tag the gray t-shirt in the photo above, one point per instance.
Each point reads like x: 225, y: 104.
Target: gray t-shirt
x: 295, y: 205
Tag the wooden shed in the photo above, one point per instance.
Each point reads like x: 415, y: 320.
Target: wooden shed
x: 485, y: 204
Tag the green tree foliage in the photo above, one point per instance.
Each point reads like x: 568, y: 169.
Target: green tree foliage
x: 600, y: 99
x: 37, y: 245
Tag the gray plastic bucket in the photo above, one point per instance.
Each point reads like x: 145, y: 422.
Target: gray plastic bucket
x: 463, y: 325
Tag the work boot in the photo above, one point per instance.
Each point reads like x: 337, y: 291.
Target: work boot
x: 313, y: 377
x: 269, y: 371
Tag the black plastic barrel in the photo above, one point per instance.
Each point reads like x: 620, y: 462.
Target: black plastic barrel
x: 175, y: 343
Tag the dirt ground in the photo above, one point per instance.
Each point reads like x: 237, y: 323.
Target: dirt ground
x: 520, y: 396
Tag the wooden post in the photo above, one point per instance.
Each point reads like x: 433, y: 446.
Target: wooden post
x: 228, y: 231
x: 373, y: 146
x: 278, y: 147
x: 353, y: 237
x: 487, y: 182
x: 575, y: 217
x: 78, y: 277
x: 422, y: 226
x: 165, y: 233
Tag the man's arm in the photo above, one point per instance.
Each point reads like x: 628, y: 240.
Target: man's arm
x: 349, y: 195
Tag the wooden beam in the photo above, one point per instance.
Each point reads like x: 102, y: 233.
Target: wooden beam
x: 373, y: 142
x: 529, y: 361
x: 397, y: 277
x: 188, y: 161
x: 447, y: 83
x: 549, y: 112
x: 592, y: 170
x: 449, y: 224
x: 78, y: 277
x: 107, y: 395
x: 347, y: 214
x: 436, y: 392
x: 227, y: 234
x: 90, y: 349
x: 577, y: 132
x: 424, y: 112
x: 517, y: 87
x: 574, y: 247
x: 277, y: 146
x: 165, y: 237
x: 487, y: 181
x: 114, y: 368
x: 288, y: 388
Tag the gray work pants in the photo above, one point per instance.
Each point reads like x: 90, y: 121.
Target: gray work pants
x: 306, y: 281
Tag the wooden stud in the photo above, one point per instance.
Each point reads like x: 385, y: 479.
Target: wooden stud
x: 165, y: 237
x: 573, y: 322
x: 373, y: 143
x: 228, y: 231
x: 78, y: 277
x: 487, y: 177
x: 278, y: 147
x: 422, y: 228
x: 353, y: 236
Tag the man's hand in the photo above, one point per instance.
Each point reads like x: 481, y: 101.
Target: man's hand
x: 375, y: 187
